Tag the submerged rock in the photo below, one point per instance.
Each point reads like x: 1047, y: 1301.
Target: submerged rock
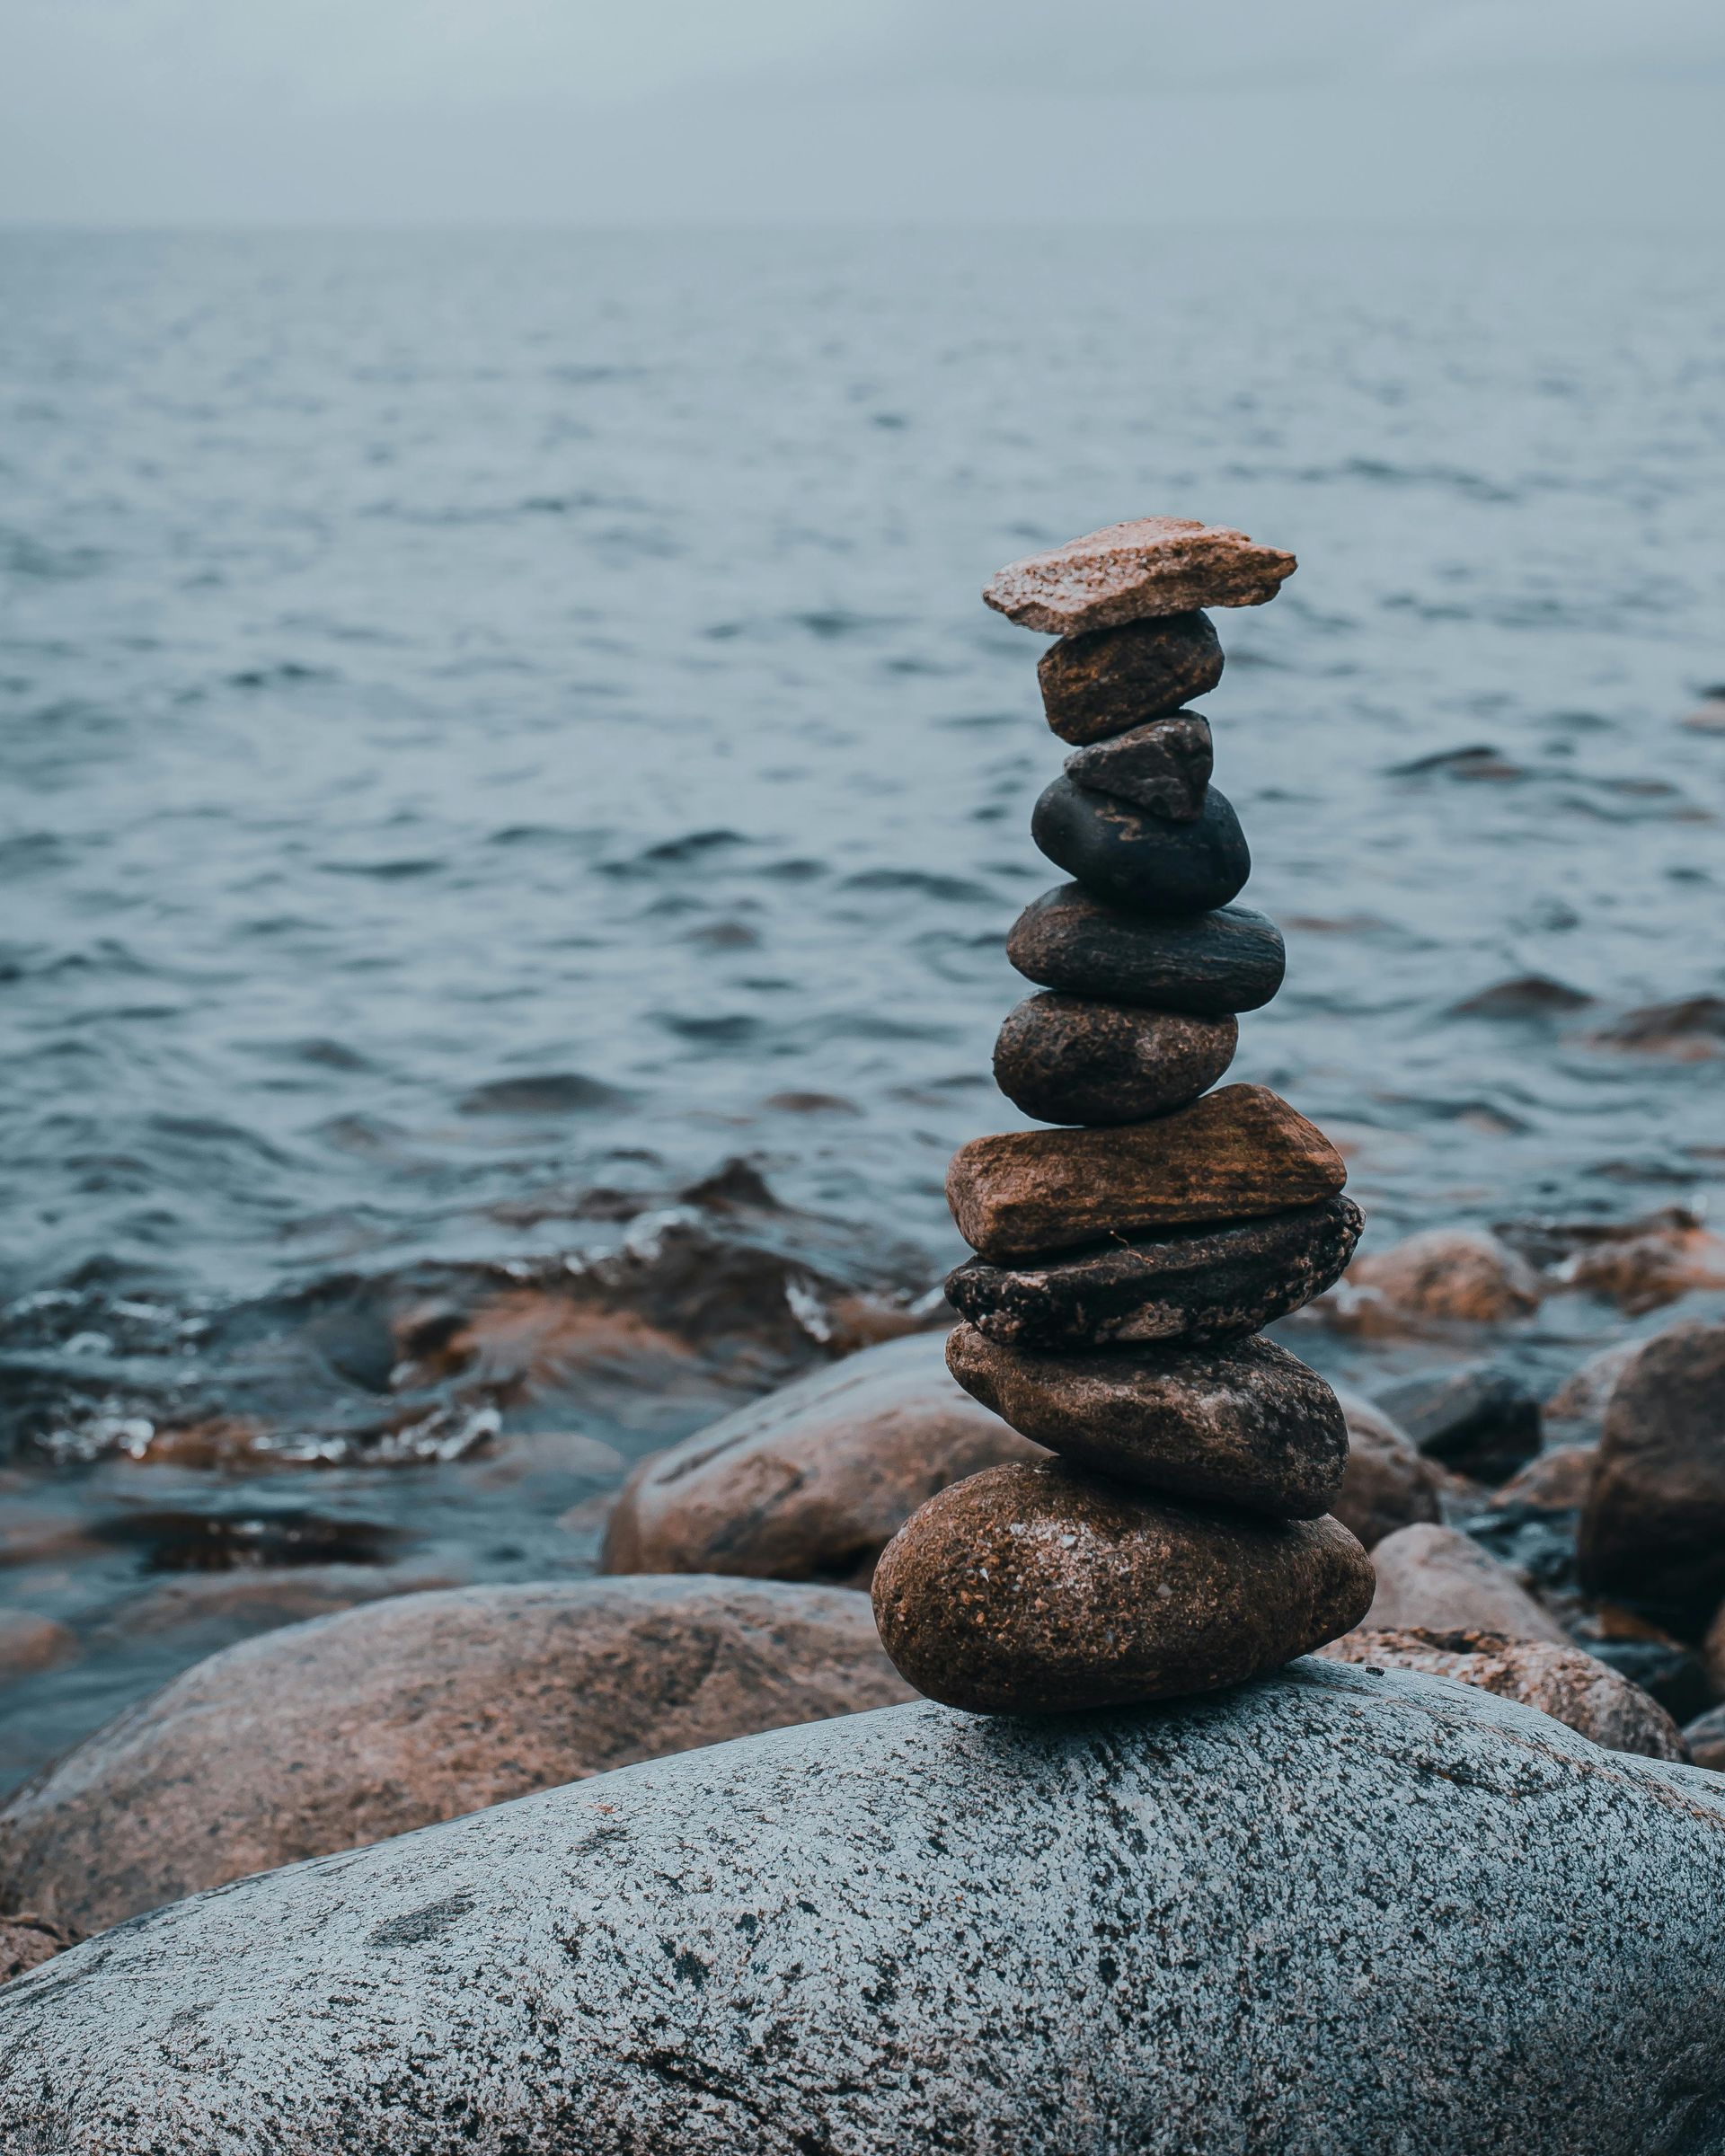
x: 355, y: 1728
x: 1139, y: 859
x: 1129, y: 572
x: 1563, y: 1681
x: 813, y: 1482
x: 1069, y: 1059
x: 1432, y: 1579
x: 1191, y: 1287
x: 1236, y: 1154
x: 1330, y: 1914
x: 1216, y: 964
x: 1100, y: 683
x: 1248, y: 1425
x: 1045, y: 1589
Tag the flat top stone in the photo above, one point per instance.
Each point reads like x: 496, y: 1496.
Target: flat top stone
x: 1233, y: 1155
x: 1128, y: 572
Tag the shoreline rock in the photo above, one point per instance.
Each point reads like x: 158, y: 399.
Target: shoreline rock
x: 1070, y: 1059
x: 1215, y: 964
x: 390, y: 1717
x: 1100, y: 684
x: 1129, y: 572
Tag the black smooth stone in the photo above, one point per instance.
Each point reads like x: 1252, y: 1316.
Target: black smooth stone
x: 1072, y: 1059
x: 1212, y: 964
x: 1482, y: 1421
x: 1108, y: 679
x: 1125, y: 854
x: 1164, y: 766
x: 1187, y: 1287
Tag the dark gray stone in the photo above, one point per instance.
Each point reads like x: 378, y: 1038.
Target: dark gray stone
x: 1163, y: 766
x: 1212, y: 964
x: 1191, y: 1286
x: 1248, y: 1425
x: 1480, y: 1421
x: 1069, y: 1059
x: 1139, y: 860
x: 1333, y: 1914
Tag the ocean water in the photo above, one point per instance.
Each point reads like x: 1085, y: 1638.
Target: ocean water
x: 490, y: 719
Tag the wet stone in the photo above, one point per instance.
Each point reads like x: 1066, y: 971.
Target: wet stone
x: 1250, y: 1426
x: 1129, y: 572
x: 1066, y: 1059
x: 1098, y: 685
x: 1230, y: 1156
x: 1209, y: 964
x: 1037, y: 1590
x: 1139, y: 859
x: 1192, y: 1286
x: 1164, y: 766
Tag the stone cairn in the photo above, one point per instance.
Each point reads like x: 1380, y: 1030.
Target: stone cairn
x: 1177, y: 1540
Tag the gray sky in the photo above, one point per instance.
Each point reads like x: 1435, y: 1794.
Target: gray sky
x: 570, y: 110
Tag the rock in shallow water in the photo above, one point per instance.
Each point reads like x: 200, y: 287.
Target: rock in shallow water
x: 1248, y: 1425
x: 1129, y: 572
x: 1213, y: 964
x: 1068, y: 1059
x: 813, y: 1482
x: 1191, y: 1287
x: 1163, y: 766
x: 1234, y: 1155
x: 1329, y: 1914
x: 1039, y: 1590
x: 389, y: 1718
x: 1139, y: 859
x: 1388, y: 1483
x: 1099, y: 684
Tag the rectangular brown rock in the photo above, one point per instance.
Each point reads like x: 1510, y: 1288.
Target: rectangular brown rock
x: 1233, y: 1155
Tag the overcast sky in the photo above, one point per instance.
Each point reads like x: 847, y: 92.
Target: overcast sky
x: 372, y: 110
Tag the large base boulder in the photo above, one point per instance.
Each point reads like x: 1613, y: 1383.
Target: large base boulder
x: 360, y: 1726
x: 1333, y: 1914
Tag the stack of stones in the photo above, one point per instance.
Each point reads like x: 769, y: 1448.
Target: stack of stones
x: 1177, y: 1540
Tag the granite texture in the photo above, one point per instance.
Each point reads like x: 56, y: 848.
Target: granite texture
x: 1329, y: 1914
x: 1099, y: 684
x: 1069, y: 1059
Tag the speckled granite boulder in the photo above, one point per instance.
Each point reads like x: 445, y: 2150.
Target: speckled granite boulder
x: 1330, y: 1914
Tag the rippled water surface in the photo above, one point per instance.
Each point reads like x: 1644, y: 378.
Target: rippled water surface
x: 492, y: 719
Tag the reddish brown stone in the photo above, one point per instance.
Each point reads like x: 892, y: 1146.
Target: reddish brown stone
x: 1065, y: 1059
x: 1099, y: 684
x: 1563, y: 1681
x: 1248, y: 1425
x: 1233, y: 1155
x: 1465, y: 1274
x: 1440, y: 1579
x: 1128, y: 572
x: 1038, y: 1590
